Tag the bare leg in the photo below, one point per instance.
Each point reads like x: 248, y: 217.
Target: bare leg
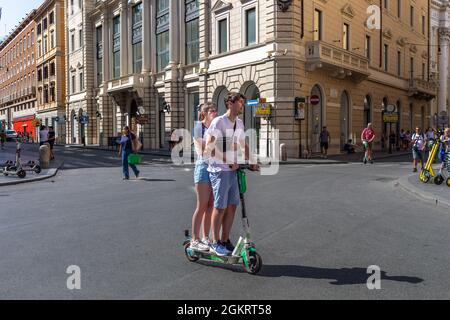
x: 216, y: 222
x: 203, y: 197
x: 228, y: 221
x: 207, y: 216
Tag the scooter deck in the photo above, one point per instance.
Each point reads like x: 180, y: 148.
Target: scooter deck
x: 213, y: 257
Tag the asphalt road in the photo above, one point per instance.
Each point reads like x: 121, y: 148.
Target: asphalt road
x: 317, y: 227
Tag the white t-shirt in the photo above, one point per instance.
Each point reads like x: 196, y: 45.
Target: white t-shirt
x: 221, y: 127
x: 418, y: 140
x: 43, y: 135
x: 199, y: 134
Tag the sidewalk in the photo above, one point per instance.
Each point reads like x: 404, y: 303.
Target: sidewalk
x: 437, y: 195
x: 332, y: 159
x: 29, y: 152
x: 346, y: 158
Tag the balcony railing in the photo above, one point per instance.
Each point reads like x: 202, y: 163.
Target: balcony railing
x: 126, y: 83
x: 340, y: 62
x: 422, y: 89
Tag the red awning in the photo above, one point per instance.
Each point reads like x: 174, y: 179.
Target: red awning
x: 25, y: 118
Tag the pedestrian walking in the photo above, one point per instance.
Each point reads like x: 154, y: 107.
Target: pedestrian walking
x: 418, y: 144
x: 43, y: 135
x: 129, y: 144
x: 367, y: 138
x: 402, y: 138
x: 51, y: 141
x: 324, y: 140
x: 2, y: 138
x: 205, y: 198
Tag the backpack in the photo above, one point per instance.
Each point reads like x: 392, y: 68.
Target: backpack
x: 415, y: 137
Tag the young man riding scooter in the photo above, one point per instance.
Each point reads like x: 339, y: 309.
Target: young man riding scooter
x: 227, y: 130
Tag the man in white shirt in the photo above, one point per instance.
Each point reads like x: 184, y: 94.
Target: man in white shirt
x: 224, y: 136
x: 418, y: 143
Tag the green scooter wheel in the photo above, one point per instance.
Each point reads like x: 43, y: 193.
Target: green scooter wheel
x: 448, y: 182
x: 188, y: 256
x: 254, y: 263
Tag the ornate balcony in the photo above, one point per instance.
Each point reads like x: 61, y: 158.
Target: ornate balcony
x: 422, y: 89
x: 133, y: 83
x: 339, y: 62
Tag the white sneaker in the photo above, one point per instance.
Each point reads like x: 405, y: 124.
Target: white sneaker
x: 199, y: 246
x: 207, y: 241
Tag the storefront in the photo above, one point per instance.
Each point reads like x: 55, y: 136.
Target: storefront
x: 25, y: 126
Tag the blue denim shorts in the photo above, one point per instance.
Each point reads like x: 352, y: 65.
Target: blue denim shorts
x: 201, y: 174
x: 225, y: 188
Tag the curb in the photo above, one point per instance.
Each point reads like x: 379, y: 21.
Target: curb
x: 11, y: 183
x: 284, y: 163
x: 112, y: 150
x: 418, y: 193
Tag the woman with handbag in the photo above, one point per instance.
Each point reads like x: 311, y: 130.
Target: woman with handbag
x: 129, y: 145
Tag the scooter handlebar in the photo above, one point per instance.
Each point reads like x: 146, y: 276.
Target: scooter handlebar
x: 244, y: 167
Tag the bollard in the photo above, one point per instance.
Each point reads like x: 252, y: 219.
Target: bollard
x: 283, y: 152
x: 44, y: 156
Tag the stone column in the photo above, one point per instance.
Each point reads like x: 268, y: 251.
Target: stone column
x: 146, y: 37
x: 105, y: 103
x: 174, y: 38
x: 123, y: 38
x: 444, y: 38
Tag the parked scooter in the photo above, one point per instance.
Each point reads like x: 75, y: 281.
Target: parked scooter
x: 32, y: 166
x: 15, y: 168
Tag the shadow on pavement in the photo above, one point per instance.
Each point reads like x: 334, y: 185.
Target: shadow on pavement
x: 156, y: 180
x: 343, y: 276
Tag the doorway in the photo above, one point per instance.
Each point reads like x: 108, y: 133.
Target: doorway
x: 316, y: 119
x: 345, y: 118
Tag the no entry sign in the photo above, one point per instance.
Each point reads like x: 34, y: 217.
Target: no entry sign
x: 314, y: 100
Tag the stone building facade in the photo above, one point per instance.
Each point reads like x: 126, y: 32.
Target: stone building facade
x: 323, y: 49
x: 439, y: 58
x: 81, y: 111
x: 17, y: 79
x: 50, y: 64
x: 154, y: 61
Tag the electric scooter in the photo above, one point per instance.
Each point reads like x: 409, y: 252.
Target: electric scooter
x: 428, y: 172
x: 16, y: 168
x: 32, y: 166
x: 244, y: 252
x: 444, y: 173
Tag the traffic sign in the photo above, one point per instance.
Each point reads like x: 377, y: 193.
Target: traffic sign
x: 84, y: 119
x: 443, y: 118
x: 390, y: 117
x: 314, y: 100
x: 143, y: 119
x: 252, y: 103
x: 263, y: 110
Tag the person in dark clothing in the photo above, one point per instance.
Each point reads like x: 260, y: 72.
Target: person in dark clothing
x: 349, y: 146
x: 126, y: 148
x: 51, y: 141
